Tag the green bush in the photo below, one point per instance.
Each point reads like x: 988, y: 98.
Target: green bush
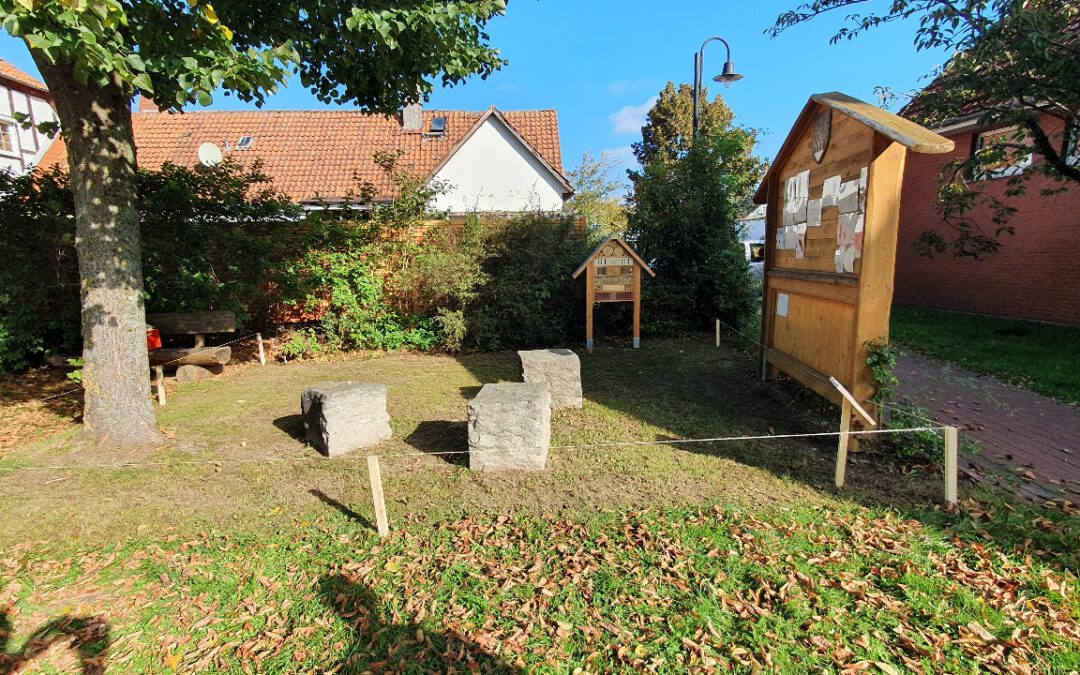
x: 527, y: 297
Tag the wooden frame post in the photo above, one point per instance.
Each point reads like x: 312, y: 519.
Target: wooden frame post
x: 590, y: 303
x: 159, y: 381
x: 842, y: 444
x: 262, y: 352
x: 637, y: 307
x: 952, y: 443
x: 375, y: 477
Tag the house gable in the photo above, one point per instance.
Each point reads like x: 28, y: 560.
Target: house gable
x: 494, y: 169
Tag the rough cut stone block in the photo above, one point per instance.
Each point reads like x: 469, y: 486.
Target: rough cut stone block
x: 343, y: 416
x: 560, y: 368
x: 510, y: 427
x: 189, y: 373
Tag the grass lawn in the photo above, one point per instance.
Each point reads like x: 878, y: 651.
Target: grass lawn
x: 233, y: 548
x: 1039, y: 356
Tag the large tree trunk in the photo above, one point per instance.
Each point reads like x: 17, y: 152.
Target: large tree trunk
x: 101, y: 157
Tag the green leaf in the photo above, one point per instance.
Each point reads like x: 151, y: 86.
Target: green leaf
x: 205, y: 98
x: 143, y: 82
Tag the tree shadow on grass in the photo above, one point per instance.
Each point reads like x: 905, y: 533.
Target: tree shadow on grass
x: 384, y: 644
x: 690, y: 389
x: 88, y: 636
x: 442, y: 436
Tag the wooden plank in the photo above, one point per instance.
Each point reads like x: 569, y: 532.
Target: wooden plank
x: 590, y: 291
x: 375, y: 478
x: 909, y: 134
x: 637, y: 306
x: 159, y: 380
x: 817, y: 333
x: 952, y: 445
x: 209, y: 356
x: 262, y: 352
x: 808, y: 377
x: 823, y: 285
x: 842, y: 444
x: 194, y: 323
x: 848, y: 398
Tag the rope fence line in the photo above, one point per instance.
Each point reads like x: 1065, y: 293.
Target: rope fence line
x: 410, y: 455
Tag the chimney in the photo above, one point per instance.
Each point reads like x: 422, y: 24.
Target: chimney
x: 146, y: 104
x: 412, y: 117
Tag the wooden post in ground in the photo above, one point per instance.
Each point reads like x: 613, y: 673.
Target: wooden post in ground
x: 375, y: 476
x: 718, y: 333
x: 842, y: 444
x: 590, y: 300
x: 952, y: 442
x: 637, y: 307
x: 262, y: 352
x: 159, y: 380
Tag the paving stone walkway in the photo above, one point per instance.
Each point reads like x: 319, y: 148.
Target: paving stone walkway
x: 1029, y: 442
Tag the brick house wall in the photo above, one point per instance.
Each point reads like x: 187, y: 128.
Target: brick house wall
x: 1034, y: 275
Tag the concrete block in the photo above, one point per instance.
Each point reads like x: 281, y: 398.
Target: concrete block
x: 510, y: 427
x: 560, y: 368
x: 344, y: 416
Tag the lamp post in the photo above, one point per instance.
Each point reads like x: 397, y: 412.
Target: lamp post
x: 727, y: 77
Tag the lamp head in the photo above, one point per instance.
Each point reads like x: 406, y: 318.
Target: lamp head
x: 729, y: 75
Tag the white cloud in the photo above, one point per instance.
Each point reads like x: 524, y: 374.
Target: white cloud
x: 626, y: 86
x: 631, y: 118
x: 622, y: 157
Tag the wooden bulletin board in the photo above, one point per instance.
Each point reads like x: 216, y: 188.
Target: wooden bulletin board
x: 833, y: 206
x: 612, y: 274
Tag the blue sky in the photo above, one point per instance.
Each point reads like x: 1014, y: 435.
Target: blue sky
x: 600, y: 62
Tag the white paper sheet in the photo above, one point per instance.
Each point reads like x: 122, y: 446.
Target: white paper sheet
x: 846, y: 225
x: 860, y: 226
x: 838, y: 259
x: 848, y: 200
x: 864, y: 175
x: 800, y: 241
x: 830, y: 190
x: 813, y: 213
x: 781, y: 304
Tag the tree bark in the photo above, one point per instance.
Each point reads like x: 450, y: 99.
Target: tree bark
x: 96, y: 123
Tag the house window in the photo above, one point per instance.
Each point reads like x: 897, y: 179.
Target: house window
x: 7, y: 138
x: 1011, y: 161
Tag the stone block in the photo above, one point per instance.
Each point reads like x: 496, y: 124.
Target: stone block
x: 510, y: 427
x: 189, y: 373
x: 560, y: 368
x: 343, y: 416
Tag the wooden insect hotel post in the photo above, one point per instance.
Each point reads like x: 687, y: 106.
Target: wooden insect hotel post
x: 833, y: 197
x: 612, y: 274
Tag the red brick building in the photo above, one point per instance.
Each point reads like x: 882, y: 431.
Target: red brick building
x: 1034, y: 275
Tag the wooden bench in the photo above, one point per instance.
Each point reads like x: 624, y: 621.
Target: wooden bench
x: 199, y: 356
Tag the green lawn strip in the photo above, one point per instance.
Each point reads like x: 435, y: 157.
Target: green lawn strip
x: 674, y: 590
x: 1039, y: 356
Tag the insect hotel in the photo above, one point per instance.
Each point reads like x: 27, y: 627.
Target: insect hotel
x: 833, y: 207
x: 612, y: 274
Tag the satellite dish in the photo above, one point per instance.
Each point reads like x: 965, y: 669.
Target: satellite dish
x: 209, y: 154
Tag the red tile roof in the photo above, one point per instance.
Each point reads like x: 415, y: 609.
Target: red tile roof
x: 316, y: 154
x: 10, y: 72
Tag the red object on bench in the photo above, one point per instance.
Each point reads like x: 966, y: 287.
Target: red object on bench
x: 153, y: 339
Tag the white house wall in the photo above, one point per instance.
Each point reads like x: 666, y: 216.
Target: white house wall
x: 30, y: 144
x: 494, y: 171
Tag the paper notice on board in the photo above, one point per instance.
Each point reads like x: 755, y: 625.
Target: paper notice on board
x: 864, y: 175
x: 781, y: 304
x: 838, y: 259
x: 860, y: 226
x: 848, y: 199
x: 800, y: 241
x: 813, y: 213
x: 846, y: 225
x: 802, y: 196
x: 830, y: 191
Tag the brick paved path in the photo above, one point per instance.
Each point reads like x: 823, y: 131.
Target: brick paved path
x: 1029, y: 441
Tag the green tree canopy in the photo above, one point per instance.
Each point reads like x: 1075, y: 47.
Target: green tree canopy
x: 684, y: 215
x: 596, y: 196
x: 95, y: 55
x: 669, y: 128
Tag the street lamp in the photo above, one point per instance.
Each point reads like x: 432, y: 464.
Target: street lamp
x: 727, y: 77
